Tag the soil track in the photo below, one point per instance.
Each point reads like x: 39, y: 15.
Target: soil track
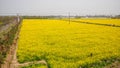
x: 116, y: 64
x: 11, y: 53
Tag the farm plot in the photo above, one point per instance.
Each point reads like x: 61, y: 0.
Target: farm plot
x: 64, y: 45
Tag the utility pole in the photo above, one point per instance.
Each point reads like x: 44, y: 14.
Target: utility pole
x: 18, y: 18
x: 69, y: 17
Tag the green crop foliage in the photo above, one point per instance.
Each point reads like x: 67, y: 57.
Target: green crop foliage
x: 35, y: 66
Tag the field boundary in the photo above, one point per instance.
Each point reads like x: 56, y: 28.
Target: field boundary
x: 10, y: 55
x: 111, y: 25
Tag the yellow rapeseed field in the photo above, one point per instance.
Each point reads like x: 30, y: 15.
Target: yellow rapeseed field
x: 64, y: 45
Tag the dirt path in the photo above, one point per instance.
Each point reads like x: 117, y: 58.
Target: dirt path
x: 11, y: 55
x: 116, y: 64
x: 30, y: 63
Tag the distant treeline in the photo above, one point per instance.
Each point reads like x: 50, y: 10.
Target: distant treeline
x: 40, y: 17
x: 99, y: 16
x: 116, y: 17
x: 7, y: 19
x: 60, y: 17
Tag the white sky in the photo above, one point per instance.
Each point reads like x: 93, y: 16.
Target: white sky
x: 60, y: 7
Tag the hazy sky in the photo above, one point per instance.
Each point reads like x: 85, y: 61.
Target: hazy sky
x: 60, y: 7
